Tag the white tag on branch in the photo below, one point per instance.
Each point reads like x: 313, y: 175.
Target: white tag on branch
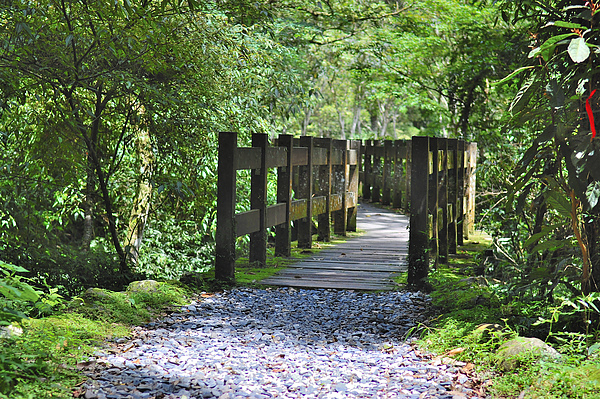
x: 578, y: 50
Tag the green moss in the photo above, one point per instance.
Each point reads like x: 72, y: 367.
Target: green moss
x: 551, y: 381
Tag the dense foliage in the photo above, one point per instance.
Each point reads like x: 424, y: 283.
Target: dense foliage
x: 109, y: 113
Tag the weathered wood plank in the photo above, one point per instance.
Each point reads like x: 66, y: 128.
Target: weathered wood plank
x: 276, y: 215
x: 246, y: 158
x: 362, y: 263
x: 298, y: 209
x: 347, y: 285
x: 276, y: 157
x: 247, y: 222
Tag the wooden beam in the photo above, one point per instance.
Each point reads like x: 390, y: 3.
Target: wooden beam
x: 226, y: 231
x: 283, y: 232
x: 258, y: 201
x: 418, y: 250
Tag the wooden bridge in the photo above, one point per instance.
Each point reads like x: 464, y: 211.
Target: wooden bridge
x: 317, y: 180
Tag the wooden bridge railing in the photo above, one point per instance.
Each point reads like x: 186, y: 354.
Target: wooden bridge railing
x: 315, y: 178
x: 434, y: 179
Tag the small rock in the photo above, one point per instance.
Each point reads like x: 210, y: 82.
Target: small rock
x: 511, y: 354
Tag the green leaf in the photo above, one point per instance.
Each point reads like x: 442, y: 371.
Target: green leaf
x: 568, y: 25
x: 545, y: 231
x: 593, y: 194
x: 524, y: 95
x: 578, y: 50
x: 594, y: 348
x: 13, y: 268
x: 547, y: 48
x: 552, y: 245
x: 513, y: 74
x: 547, y: 135
x: 559, y: 202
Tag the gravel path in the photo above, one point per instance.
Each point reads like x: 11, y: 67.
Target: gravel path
x: 279, y: 343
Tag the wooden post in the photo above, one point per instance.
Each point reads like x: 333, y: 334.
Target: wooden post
x: 258, y: 200
x: 418, y: 250
x: 368, y: 170
x: 340, y: 217
x: 471, y: 187
x: 443, y: 201
x: 408, y: 195
x: 460, y: 193
x: 398, y: 179
x: 324, y: 182
x: 386, y: 196
x: 452, y: 193
x: 353, y: 173
x: 433, y: 180
x: 377, y: 180
x: 283, y: 234
x: 305, y: 191
x: 226, y: 184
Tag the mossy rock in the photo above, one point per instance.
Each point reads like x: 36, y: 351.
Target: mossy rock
x: 145, y: 286
x: 95, y: 294
x: 10, y: 331
x: 515, y: 352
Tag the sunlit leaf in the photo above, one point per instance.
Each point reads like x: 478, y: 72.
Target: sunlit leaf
x: 568, y: 25
x: 513, y: 74
x: 547, y: 48
x: 578, y: 50
x: 593, y: 193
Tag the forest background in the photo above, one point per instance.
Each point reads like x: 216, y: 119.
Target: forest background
x: 110, y: 111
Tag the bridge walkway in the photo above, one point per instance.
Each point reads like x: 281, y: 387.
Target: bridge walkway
x: 367, y: 262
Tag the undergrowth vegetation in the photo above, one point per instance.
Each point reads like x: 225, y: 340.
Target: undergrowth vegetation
x: 478, y: 314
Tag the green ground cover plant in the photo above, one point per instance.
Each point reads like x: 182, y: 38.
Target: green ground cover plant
x: 477, y: 315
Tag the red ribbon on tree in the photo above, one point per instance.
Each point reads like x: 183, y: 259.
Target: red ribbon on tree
x: 588, y: 108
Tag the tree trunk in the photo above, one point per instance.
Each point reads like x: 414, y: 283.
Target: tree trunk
x: 384, y: 111
x: 355, y: 128
x: 306, y: 121
x: 143, y: 199
x: 88, y: 207
x: 342, y: 123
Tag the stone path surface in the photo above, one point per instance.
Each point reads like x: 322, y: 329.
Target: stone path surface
x: 367, y: 262
x: 279, y: 343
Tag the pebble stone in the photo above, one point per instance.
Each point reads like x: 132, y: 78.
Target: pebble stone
x: 278, y: 343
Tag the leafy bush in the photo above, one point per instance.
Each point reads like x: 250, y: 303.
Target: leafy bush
x: 69, y: 270
x: 172, y: 247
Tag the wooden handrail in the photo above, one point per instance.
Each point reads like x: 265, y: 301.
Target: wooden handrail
x: 325, y: 187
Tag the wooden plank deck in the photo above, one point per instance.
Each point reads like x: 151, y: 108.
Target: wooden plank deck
x: 362, y: 263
